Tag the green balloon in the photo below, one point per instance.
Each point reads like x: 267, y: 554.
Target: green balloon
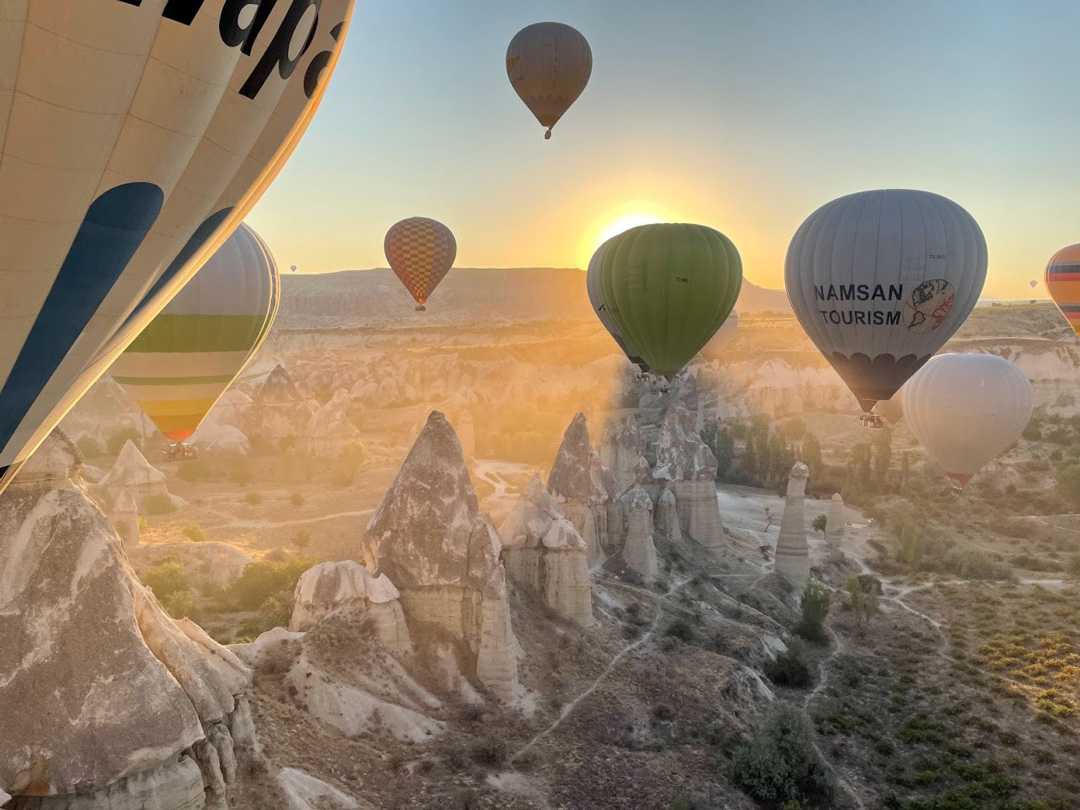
x: 669, y: 288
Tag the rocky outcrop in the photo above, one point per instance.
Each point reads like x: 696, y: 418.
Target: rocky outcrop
x: 429, y: 537
x: 836, y: 522
x: 131, y: 473
x: 639, y: 550
x: 623, y: 453
x: 125, y: 519
x: 545, y: 554
x: 334, y: 586
x: 580, y: 482
x: 101, y: 693
x: 685, y: 460
x: 667, y: 516
x: 330, y: 433
x: 56, y: 464
x: 279, y: 412
x: 792, y: 553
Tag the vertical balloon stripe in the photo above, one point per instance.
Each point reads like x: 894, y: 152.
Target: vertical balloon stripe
x: 115, y: 225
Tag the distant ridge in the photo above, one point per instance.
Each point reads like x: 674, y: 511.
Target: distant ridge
x: 375, y: 297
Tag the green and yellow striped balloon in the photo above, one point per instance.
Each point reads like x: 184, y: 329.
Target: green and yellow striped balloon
x: 190, y: 353
x: 665, y: 289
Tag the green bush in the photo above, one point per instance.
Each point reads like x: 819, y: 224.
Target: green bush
x: 820, y: 523
x: 179, y: 604
x: 815, y: 607
x: 158, y: 505
x: 790, y: 668
x: 681, y: 630
x: 779, y: 763
x: 264, y: 579
x: 194, y: 533
x: 296, y: 499
x: 166, y: 578
x: 253, y: 499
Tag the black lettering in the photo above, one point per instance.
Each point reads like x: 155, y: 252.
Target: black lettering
x: 860, y: 317
x: 182, y: 11
x: 832, y: 296
x: 315, y: 70
x: 277, y: 52
x: 896, y: 292
x: 864, y: 292
x: 894, y: 318
x: 819, y: 292
x: 229, y: 25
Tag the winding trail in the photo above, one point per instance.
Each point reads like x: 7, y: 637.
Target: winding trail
x: 277, y: 524
x: 568, y: 709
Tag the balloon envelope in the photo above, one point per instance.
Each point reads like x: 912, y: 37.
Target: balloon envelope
x: 880, y: 280
x: 891, y: 410
x: 595, y: 287
x: 667, y: 288
x: 179, y: 366
x: 421, y: 252
x: 967, y: 409
x: 1063, y: 283
x: 549, y: 65
x: 136, y: 137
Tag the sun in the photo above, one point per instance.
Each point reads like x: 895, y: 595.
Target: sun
x: 630, y: 216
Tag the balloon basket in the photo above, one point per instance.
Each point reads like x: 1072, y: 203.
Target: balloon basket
x: 421, y: 308
x: 871, y: 421
x: 547, y: 135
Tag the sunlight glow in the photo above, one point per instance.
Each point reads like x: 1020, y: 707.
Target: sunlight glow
x: 629, y: 216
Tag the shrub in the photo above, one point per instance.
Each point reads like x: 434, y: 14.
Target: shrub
x: 302, y: 539
x: 681, y: 630
x: 820, y: 523
x: 166, y: 578
x: 158, y: 505
x: 264, y: 579
x: 253, y: 499
x: 179, y: 604
x: 815, y: 607
x: 296, y: 499
x: 790, y: 668
x: 194, y: 533
x: 490, y: 751
x: 89, y: 447
x: 779, y: 763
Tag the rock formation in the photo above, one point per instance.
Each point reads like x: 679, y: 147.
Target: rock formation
x: 684, y: 459
x: 623, y: 454
x: 836, y: 522
x: 279, y: 412
x: 792, y: 553
x: 667, y: 516
x: 639, y: 550
x: 333, y: 586
x: 133, y: 474
x: 103, y: 695
x: 545, y: 554
x: 429, y: 537
x: 330, y: 433
x: 56, y: 464
x: 580, y: 482
x: 125, y: 519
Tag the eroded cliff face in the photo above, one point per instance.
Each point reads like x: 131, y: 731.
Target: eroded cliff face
x: 583, y: 486
x: 429, y: 537
x: 101, y: 693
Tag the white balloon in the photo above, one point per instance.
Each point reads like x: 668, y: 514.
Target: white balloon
x: 967, y: 409
x: 881, y: 279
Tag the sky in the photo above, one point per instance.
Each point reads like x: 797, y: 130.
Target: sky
x: 745, y: 116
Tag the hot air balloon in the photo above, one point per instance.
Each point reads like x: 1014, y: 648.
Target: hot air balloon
x: 881, y: 279
x: 192, y: 351
x: 1063, y: 282
x: 966, y: 409
x: 595, y: 288
x: 1033, y: 284
x: 421, y: 252
x: 137, y: 136
x: 666, y: 289
x: 549, y: 64
x: 891, y: 410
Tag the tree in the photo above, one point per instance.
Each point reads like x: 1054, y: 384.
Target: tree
x: 302, y: 539
x: 815, y: 608
x: 811, y: 454
x: 819, y: 524
x: 863, y: 601
x: 779, y: 762
x: 882, y: 452
x: 724, y: 451
x: 794, y: 429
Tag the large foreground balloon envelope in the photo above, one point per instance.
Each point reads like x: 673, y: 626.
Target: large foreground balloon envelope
x: 135, y: 138
x: 421, y: 252
x: 967, y: 409
x: 594, y: 285
x: 549, y: 65
x: 666, y: 289
x: 1063, y: 283
x: 179, y: 366
x: 880, y: 280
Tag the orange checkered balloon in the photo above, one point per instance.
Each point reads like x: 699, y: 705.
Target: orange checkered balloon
x: 1063, y: 282
x: 421, y: 252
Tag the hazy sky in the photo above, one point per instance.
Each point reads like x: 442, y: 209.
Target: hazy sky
x: 744, y: 116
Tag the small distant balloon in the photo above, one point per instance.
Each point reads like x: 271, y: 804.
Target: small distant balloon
x: 421, y: 252
x: 1033, y: 283
x: 549, y: 65
x: 292, y: 267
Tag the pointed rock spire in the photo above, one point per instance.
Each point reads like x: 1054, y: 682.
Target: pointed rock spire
x: 792, y: 553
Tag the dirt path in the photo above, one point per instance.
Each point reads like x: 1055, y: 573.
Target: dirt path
x: 277, y: 524
x: 568, y: 709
